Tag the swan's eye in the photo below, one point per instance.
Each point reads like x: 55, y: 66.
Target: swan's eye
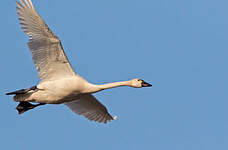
x: 141, y: 81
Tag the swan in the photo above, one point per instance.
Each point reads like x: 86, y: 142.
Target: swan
x: 59, y: 84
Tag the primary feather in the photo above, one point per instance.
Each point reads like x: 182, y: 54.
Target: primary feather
x: 47, y: 51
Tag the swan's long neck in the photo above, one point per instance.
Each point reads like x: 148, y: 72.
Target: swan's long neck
x: 96, y: 88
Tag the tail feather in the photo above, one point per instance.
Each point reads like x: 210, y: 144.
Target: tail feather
x: 22, y: 91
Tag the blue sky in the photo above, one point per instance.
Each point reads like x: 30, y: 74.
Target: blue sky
x: 178, y: 46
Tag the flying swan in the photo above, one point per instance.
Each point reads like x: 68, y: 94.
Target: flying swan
x: 59, y: 84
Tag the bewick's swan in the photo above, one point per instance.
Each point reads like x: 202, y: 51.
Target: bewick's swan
x: 59, y: 83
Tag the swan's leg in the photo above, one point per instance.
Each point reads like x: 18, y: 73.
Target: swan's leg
x: 25, y: 106
x: 22, y: 91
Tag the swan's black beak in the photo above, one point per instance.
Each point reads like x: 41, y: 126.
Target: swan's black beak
x: 144, y: 84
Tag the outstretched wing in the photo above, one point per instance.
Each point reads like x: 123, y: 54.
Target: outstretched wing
x: 91, y: 108
x: 47, y: 51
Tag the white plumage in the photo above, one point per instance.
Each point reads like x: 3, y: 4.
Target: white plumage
x: 59, y: 83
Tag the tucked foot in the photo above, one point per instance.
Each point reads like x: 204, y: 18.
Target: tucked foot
x: 25, y: 106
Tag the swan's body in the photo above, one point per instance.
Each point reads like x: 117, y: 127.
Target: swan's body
x: 64, y: 90
x: 59, y: 83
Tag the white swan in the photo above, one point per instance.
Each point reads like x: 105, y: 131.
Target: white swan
x: 59, y: 83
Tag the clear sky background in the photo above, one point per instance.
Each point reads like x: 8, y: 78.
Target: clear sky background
x: 180, y: 46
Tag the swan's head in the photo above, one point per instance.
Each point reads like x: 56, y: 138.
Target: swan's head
x: 138, y: 83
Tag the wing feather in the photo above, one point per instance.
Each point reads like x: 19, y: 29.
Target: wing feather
x: 91, y: 108
x: 47, y: 51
